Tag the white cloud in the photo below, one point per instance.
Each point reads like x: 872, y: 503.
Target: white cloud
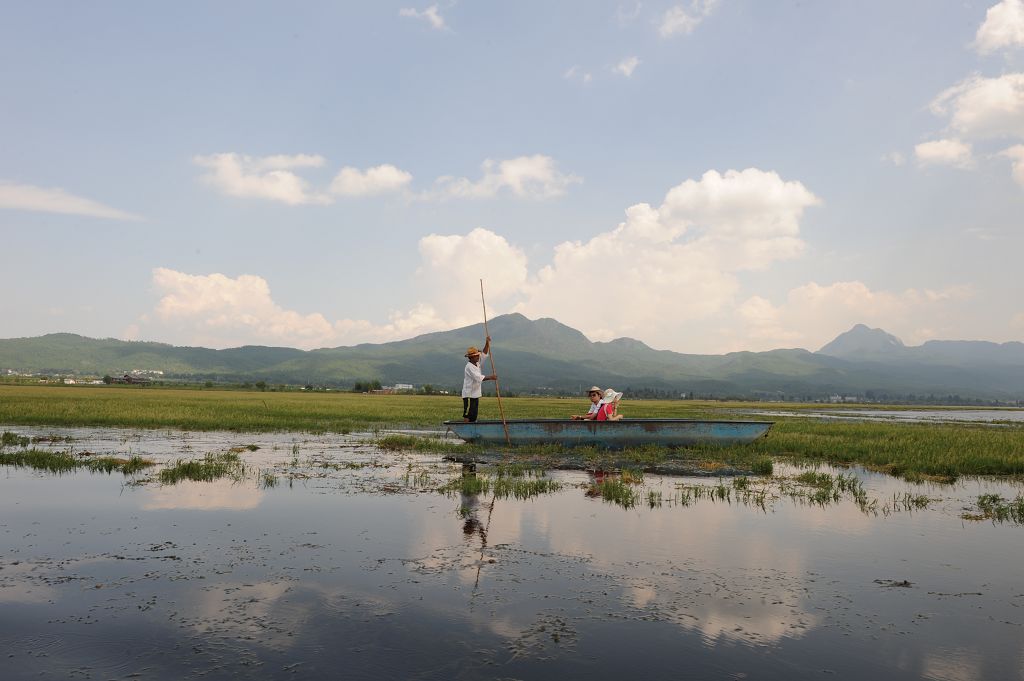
x: 1003, y: 27
x: 666, y: 268
x: 269, y: 177
x: 626, y: 66
x: 15, y: 196
x: 453, y: 265
x: 985, y: 108
x: 1016, y: 154
x: 951, y: 152
x: 684, y: 19
x: 813, y: 314
x: 529, y: 177
x: 215, y: 310
x: 431, y: 15
x: 377, y: 180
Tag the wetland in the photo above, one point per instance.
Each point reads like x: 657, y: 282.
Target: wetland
x: 286, y: 553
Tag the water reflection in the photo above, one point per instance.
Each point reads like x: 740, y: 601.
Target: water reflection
x: 367, y: 570
x: 202, y: 496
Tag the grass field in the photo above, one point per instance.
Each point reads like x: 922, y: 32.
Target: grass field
x: 910, y: 450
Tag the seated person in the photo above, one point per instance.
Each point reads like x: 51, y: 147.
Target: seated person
x: 595, y: 406
x: 609, y: 406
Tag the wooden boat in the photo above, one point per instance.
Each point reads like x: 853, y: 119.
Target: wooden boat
x: 611, y: 434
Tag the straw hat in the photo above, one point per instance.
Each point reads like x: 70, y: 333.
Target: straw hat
x: 594, y: 389
x: 611, y: 396
x: 472, y: 351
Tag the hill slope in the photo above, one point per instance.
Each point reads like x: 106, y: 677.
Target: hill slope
x: 545, y: 355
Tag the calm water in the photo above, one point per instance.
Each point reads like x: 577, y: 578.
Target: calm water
x: 917, y: 415
x: 369, y: 572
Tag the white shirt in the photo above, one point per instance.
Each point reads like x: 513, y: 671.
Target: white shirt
x: 473, y: 383
x: 595, y: 407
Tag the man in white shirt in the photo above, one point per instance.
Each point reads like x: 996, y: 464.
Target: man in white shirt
x: 473, y: 381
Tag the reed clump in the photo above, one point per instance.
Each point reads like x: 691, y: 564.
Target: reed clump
x: 65, y: 462
x: 999, y: 509
x: 523, y: 484
x: 207, y: 469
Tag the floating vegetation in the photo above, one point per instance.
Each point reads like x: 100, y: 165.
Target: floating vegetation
x: 417, y: 444
x: 210, y: 467
x: 615, y: 490
x: 524, y: 484
x: 9, y: 439
x: 64, y: 462
x: 244, y: 448
x: 998, y: 509
x: 268, y: 479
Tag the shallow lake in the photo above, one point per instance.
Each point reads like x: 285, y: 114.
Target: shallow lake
x: 354, y: 565
x: 917, y: 415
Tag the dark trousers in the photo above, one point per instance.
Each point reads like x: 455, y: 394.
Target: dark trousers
x: 470, y: 406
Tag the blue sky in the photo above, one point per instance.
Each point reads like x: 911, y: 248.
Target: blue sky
x: 705, y: 176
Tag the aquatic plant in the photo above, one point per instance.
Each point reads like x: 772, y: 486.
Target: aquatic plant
x: 210, y: 467
x: 63, y: 462
x: 9, y: 439
x: 998, y: 509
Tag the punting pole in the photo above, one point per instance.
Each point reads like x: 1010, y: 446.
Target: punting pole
x: 497, y: 390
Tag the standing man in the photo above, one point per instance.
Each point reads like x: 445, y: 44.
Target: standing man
x: 472, y: 384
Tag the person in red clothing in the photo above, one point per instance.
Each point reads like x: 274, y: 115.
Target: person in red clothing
x: 609, y: 406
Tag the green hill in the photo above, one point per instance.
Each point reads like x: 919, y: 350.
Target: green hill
x: 544, y: 356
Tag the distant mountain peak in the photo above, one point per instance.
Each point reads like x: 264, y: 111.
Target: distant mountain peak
x: 863, y: 342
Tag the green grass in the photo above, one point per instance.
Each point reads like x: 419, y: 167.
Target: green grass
x: 503, y: 483
x: 64, y: 462
x: 915, y: 451
x: 207, y: 469
x: 998, y: 509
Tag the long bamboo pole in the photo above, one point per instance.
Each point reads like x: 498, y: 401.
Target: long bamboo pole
x: 494, y: 371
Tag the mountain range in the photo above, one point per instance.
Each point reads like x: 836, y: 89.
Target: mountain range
x: 546, y: 356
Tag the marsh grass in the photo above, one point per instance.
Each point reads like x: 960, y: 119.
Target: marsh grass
x: 503, y: 482
x: 413, y: 443
x: 64, y: 462
x: 9, y: 439
x: 999, y: 509
x: 914, y: 451
x: 207, y: 469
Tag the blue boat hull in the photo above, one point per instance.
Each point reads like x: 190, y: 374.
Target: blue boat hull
x: 611, y: 434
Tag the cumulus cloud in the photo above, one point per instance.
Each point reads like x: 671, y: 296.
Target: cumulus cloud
x: 431, y: 15
x: 685, y: 18
x: 813, y: 314
x: 1016, y: 154
x: 1003, y: 27
x: 666, y: 267
x: 452, y: 266
x: 529, y: 177
x: 269, y: 177
x: 55, y: 200
x: 626, y: 66
x: 951, y: 152
x: 377, y: 180
x: 216, y: 310
x: 984, y: 108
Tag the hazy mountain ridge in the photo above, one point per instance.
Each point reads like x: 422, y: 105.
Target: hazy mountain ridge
x: 545, y: 354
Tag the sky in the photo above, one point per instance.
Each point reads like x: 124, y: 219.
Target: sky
x: 705, y: 176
